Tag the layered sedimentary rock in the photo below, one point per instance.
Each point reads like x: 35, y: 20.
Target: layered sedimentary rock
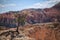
x: 32, y: 16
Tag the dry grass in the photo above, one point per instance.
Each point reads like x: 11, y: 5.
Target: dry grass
x: 44, y: 31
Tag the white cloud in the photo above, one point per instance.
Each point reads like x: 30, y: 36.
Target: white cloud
x: 6, y: 5
x: 11, y: 4
x: 54, y: 0
x: 45, y: 4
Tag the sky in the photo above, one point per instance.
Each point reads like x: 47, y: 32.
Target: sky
x: 17, y: 5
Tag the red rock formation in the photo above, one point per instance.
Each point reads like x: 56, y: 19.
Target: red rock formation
x: 35, y: 15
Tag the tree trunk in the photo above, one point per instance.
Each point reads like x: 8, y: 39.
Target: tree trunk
x: 17, y: 30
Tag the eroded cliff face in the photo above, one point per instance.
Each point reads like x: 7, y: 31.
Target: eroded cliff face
x: 32, y: 16
x: 42, y: 15
x: 43, y: 31
x: 57, y: 6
